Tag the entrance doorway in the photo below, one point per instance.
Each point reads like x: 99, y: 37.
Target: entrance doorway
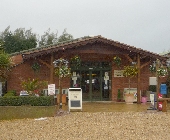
x: 95, y: 84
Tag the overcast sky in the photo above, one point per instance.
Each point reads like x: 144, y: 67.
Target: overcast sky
x: 141, y: 23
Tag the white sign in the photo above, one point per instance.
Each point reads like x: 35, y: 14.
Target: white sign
x: 51, y: 89
x: 152, y: 81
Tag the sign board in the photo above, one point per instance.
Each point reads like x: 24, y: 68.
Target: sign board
x: 75, y: 98
x: 163, y: 89
x: 51, y: 89
x: 118, y: 73
x: 152, y: 81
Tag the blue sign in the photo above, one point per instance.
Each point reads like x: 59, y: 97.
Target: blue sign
x: 163, y: 89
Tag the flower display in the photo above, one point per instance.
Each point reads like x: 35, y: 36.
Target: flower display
x: 152, y: 69
x: 162, y: 71
x: 130, y: 71
x: 63, y: 71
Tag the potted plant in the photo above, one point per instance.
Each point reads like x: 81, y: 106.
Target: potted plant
x: 144, y: 96
x: 129, y: 72
x: 118, y: 95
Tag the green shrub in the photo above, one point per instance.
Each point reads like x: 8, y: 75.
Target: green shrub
x: 28, y: 100
x: 10, y: 93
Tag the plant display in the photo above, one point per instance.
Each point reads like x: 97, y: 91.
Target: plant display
x: 33, y: 86
x: 152, y: 69
x: 162, y: 71
x: 117, y: 60
x: 130, y: 71
x: 75, y: 61
x: 61, y: 70
x: 118, y: 95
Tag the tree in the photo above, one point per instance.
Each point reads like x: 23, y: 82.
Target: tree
x: 51, y: 38
x: 18, y: 40
x: 5, y: 63
x: 65, y: 36
x: 48, y: 38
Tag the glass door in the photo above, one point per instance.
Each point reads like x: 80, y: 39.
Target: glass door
x: 93, y: 78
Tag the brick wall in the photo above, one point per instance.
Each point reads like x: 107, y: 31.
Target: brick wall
x: 24, y: 71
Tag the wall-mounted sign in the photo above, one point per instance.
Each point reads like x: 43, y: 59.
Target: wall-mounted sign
x: 118, y: 73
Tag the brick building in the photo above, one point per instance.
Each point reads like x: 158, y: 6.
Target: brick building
x: 98, y: 76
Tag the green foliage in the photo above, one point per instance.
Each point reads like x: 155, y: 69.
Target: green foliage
x: 61, y: 69
x: 33, y: 86
x: 75, y: 61
x: 152, y: 69
x: 118, y: 95
x: 48, y: 38
x: 22, y: 39
x: 18, y: 40
x: 28, y: 100
x: 36, y: 67
x: 51, y: 38
x: 5, y: 65
x: 65, y: 36
x: 117, y: 60
x: 10, y: 93
x: 130, y: 71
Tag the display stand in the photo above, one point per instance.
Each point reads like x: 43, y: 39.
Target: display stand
x: 152, y: 99
x: 75, y: 98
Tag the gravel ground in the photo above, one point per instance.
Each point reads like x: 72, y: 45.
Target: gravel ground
x: 90, y: 126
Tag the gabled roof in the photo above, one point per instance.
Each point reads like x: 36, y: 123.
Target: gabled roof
x: 31, y: 53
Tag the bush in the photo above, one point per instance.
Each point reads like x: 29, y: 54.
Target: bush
x: 28, y: 100
x: 10, y: 93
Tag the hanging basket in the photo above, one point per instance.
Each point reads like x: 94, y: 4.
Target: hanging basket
x: 117, y: 60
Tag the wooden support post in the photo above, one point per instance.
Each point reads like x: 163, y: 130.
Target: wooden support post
x: 138, y: 82
x: 157, y: 80
x: 52, y: 69
x: 164, y: 106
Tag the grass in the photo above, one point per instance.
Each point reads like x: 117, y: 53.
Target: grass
x: 21, y: 112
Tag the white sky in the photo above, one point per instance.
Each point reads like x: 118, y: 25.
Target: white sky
x: 141, y: 23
